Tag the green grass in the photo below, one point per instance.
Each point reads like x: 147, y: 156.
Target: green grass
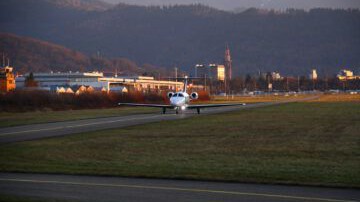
x: 14, y: 119
x: 299, y: 143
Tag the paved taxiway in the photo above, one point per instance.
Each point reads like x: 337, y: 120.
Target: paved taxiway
x: 45, y: 130
x: 95, y: 188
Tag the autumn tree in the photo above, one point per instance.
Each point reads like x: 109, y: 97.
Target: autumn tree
x: 30, y: 81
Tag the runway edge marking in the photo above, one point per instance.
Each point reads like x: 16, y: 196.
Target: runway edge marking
x: 79, y: 125
x: 174, y: 189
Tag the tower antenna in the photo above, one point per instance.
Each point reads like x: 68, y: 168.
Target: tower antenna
x: 3, y: 59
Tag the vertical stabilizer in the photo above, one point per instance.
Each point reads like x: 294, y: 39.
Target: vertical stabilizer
x: 185, y: 84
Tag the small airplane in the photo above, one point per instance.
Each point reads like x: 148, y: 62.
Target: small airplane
x: 180, y: 101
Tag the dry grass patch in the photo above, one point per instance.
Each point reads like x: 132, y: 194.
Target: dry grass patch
x: 337, y: 98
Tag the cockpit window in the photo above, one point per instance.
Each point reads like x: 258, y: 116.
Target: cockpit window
x: 181, y: 95
x: 175, y: 95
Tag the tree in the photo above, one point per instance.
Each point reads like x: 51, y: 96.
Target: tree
x: 30, y: 81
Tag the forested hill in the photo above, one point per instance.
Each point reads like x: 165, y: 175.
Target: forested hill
x: 292, y: 41
x: 32, y: 55
x: 88, y: 5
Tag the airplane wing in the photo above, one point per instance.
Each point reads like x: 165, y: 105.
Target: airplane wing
x: 145, y: 105
x: 212, y: 105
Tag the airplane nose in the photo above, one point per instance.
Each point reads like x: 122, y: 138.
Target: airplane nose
x: 177, y: 102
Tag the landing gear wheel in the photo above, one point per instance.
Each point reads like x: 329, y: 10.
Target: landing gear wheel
x: 176, y: 110
x: 164, y: 110
x: 198, y: 110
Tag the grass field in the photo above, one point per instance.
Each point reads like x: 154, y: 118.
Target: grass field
x: 13, y: 119
x: 274, y: 98
x: 299, y: 143
x: 256, y: 99
x: 8, y: 119
x: 337, y: 98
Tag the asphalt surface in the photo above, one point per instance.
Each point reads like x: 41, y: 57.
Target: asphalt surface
x: 46, y: 130
x: 91, y: 188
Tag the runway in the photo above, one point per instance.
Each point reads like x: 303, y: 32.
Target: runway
x: 95, y: 188
x: 46, y: 130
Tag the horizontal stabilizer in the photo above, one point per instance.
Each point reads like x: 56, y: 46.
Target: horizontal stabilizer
x: 213, y: 105
x: 145, y: 105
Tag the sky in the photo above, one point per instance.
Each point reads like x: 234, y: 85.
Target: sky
x: 267, y: 4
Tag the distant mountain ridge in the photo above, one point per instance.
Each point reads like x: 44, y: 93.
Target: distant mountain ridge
x: 33, y: 55
x: 88, y: 5
x: 292, y: 42
x: 229, y: 5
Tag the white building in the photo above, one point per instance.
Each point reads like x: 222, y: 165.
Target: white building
x: 276, y: 76
x: 313, y: 75
x: 57, y: 79
x: 345, y: 74
x: 97, y: 81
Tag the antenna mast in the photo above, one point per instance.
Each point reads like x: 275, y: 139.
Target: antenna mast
x: 3, y: 59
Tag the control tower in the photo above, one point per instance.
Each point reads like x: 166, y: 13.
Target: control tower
x: 228, y: 63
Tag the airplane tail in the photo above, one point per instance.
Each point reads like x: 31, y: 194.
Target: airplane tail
x: 185, y: 84
x: 186, y: 79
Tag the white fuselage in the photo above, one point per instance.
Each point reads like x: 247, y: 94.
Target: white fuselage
x: 180, y: 100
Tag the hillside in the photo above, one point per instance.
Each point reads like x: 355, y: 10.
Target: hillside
x: 32, y: 55
x: 88, y: 5
x: 291, y: 42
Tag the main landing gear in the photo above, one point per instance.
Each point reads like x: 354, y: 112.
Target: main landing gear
x: 177, y: 109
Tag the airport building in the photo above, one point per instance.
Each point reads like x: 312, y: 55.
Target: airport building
x: 211, y: 71
x: 276, y: 76
x: 53, y: 81
x: 313, y: 75
x: 221, y: 74
x: 7, y: 79
x: 345, y: 74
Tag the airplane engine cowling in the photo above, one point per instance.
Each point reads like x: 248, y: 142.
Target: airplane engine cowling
x: 170, y: 94
x: 194, y: 95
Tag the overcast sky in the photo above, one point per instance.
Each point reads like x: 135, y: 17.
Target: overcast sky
x: 269, y: 4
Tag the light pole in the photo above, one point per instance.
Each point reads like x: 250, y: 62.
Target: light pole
x: 196, y: 68
x: 210, y: 72
x: 298, y: 83
x: 176, y: 73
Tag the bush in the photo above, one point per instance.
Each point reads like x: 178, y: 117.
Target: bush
x: 20, y: 101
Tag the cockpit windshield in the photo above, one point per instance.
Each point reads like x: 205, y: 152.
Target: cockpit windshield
x: 181, y: 95
x: 175, y: 95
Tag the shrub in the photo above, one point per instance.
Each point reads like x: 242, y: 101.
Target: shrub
x: 19, y: 101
